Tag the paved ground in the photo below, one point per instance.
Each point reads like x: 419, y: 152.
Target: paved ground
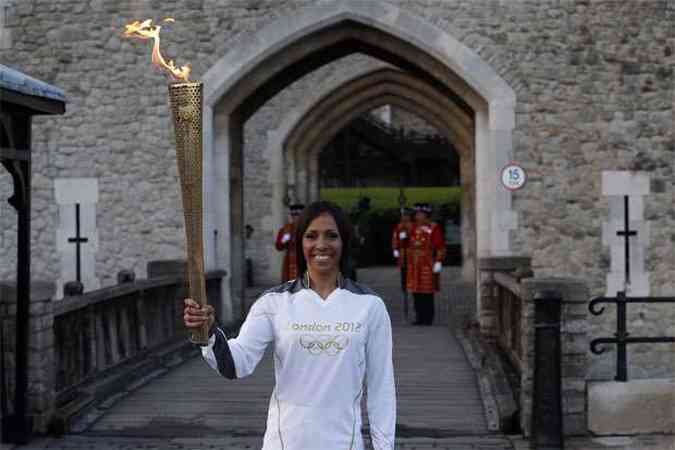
x: 83, y: 442
x: 227, y: 443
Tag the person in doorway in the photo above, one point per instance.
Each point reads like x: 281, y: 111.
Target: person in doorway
x: 285, y: 242
x: 332, y: 340
x: 426, y: 251
x: 399, y: 243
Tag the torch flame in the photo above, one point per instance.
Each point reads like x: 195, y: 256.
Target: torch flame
x: 146, y: 30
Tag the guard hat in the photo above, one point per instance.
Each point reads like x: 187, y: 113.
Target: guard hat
x: 423, y: 207
x: 296, y: 209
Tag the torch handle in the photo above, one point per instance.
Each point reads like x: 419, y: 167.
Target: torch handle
x: 195, y: 263
x: 197, y: 289
x: 186, y: 109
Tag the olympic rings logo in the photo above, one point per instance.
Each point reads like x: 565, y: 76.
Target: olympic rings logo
x: 323, y: 343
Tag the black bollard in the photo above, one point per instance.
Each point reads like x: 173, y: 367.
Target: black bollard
x: 73, y: 288
x: 546, y: 427
x: 126, y: 276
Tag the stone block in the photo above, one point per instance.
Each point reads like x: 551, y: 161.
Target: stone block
x: 41, y: 340
x: 574, y: 326
x: 633, y: 407
x: 573, y: 385
x: 574, y: 424
x: 40, y: 323
x: 625, y: 183
x: 578, y: 310
x: 573, y: 366
x: 38, y: 308
x: 574, y: 402
x: 504, y: 263
x: 76, y: 190
x: 167, y: 268
x: 574, y: 344
x: 40, y: 291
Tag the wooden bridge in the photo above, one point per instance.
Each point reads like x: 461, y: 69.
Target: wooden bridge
x: 437, y: 391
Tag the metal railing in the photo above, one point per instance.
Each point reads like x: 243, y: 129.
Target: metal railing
x: 621, y: 337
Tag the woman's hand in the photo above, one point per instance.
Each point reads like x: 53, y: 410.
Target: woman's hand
x: 195, y: 316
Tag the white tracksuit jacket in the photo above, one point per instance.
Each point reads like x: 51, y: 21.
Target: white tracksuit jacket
x: 325, y: 353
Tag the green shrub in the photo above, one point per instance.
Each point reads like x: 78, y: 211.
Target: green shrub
x: 387, y: 198
x: 376, y: 224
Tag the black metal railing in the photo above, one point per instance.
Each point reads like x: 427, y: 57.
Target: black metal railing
x: 621, y: 337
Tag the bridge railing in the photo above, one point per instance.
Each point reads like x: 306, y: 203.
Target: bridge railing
x: 98, y: 332
x: 513, y: 311
x: 104, y: 328
x: 85, y: 348
x: 510, y: 318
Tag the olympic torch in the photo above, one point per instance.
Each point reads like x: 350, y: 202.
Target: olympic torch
x: 185, y: 99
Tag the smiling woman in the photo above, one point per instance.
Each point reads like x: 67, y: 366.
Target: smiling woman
x: 331, y: 337
x: 322, y: 231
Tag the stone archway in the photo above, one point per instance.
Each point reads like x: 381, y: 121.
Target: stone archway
x: 302, y: 138
x: 285, y: 50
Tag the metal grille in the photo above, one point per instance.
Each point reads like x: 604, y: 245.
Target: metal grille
x: 186, y: 109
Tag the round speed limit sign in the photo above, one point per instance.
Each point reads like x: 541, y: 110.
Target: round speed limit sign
x: 513, y: 177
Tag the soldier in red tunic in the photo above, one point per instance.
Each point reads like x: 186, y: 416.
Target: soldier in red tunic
x: 286, y: 242
x: 426, y: 251
x: 399, y: 244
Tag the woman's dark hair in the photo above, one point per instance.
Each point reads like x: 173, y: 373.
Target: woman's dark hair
x: 310, y: 213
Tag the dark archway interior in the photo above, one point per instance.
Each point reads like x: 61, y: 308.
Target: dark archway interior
x: 369, y: 152
x: 342, y: 40
x: 371, y: 155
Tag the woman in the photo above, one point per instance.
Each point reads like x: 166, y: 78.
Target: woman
x: 331, y: 336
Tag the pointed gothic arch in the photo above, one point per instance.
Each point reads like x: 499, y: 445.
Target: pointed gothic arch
x: 294, y: 45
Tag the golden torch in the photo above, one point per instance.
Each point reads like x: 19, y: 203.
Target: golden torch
x: 186, y: 109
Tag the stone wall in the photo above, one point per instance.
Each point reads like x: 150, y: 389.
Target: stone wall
x: 40, y: 390
x: 8, y: 230
x: 594, y: 86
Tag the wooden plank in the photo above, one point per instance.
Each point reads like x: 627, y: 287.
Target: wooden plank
x: 111, y: 317
x: 100, y: 339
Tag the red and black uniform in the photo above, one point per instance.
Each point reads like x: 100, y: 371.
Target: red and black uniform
x: 289, y: 270
x: 426, y: 247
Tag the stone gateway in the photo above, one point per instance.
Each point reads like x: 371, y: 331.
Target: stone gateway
x: 579, y: 94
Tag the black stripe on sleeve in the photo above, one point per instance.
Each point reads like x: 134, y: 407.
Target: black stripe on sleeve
x: 223, y: 356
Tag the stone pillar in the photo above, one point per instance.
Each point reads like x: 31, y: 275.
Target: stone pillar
x: 41, y: 381
x: 487, y: 298
x: 574, y: 342
x: 468, y: 214
x: 167, y: 268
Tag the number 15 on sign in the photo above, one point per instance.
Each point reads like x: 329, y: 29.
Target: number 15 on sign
x: 513, y: 177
